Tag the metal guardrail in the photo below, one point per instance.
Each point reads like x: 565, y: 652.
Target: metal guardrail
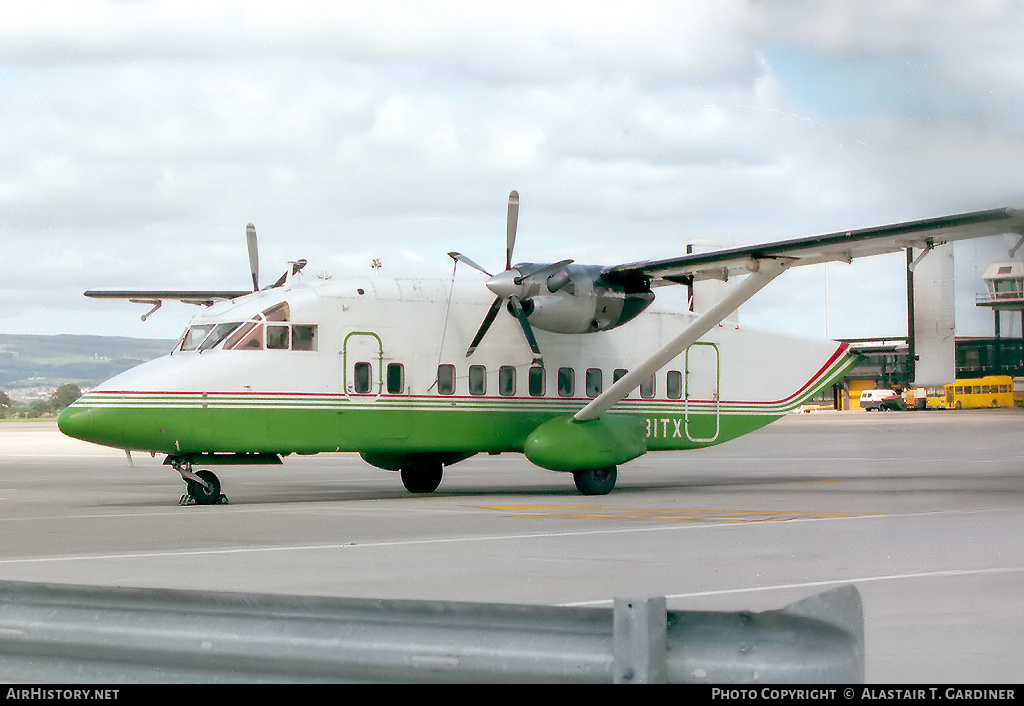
x: 78, y: 634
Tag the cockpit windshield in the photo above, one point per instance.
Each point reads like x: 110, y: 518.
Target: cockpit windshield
x: 269, y: 330
x: 195, y: 336
x: 219, y: 333
x: 203, y: 337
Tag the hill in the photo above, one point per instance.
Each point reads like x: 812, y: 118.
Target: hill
x: 31, y: 364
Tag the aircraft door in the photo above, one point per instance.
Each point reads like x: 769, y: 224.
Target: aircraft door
x: 703, y: 371
x: 369, y: 423
x: 362, y: 364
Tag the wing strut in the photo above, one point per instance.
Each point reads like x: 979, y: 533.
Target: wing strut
x: 764, y: 271
x: 928, y: 247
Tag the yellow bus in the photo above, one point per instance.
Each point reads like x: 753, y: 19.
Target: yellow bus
x: 989, y: 391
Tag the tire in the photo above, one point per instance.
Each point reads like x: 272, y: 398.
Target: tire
x: 202, y: 494
x: 599, y: 481
x: 422, y: 477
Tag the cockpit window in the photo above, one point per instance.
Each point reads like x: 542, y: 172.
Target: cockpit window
x: 278, y: 312
x: 194, y: 336
x: 268, y: 330
x: 277, y: 337
x: 303, y: 337
x: 249, y: 337
x: 217, y: 336
x: 203, y: 337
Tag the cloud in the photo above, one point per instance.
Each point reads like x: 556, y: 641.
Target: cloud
x: 140, y: 138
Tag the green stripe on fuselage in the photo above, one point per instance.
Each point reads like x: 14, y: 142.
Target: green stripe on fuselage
x: 178, y: 429
x: 177, y: 423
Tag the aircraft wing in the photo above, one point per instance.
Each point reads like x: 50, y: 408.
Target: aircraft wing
x: 766, y: 261
x: 200, y: 298
x: 843, y: 246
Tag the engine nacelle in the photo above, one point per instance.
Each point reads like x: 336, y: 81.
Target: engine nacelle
x: 578, y: 300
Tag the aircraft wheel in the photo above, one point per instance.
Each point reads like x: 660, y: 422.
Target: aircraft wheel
x: 200, y: 493
x: 599, y: 481
x: 422, y: 477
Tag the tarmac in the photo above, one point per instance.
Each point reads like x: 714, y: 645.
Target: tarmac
x: 921, y: 511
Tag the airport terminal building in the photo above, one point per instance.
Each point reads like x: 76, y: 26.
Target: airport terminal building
x: 890, y: 363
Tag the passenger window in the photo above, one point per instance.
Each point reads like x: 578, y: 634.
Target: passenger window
x: 593, y: 382
x: 647, y: 388
x: 506, y: 381
x: 277, y: 337
x: 362, y: 379
x: 396, y: 378
x: 477, y: 380
x: 674, y: 385
x: 537, y: 386
x: 303, y: 338
x: 446, y: 379
x: 566, y: 382
x: 619, y: 373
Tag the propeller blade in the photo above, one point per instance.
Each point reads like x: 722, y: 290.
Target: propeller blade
x: 459, y: 257
x: 510, y: 230
x: 488, y: 320
x: 254, y: 256
x: 524, y: 322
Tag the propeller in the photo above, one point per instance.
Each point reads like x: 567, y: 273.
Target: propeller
x: 511, y: 285
x: 254, y: 256
x: 511, y: 223
x: 254, y: 262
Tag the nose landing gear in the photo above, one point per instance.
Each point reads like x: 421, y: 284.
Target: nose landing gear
x: 203, y: 487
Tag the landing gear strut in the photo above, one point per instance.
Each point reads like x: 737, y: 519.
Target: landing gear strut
x: 203, y: 486
x: 599, y: 481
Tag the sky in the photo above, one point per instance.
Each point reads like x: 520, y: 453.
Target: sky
x: 137, y: 140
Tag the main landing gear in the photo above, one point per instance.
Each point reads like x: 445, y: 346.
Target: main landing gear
x: 422, y: 476
x: 203, y: 487
x: 599, y: 481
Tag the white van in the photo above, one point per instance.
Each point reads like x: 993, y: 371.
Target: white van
x: 872, y: 399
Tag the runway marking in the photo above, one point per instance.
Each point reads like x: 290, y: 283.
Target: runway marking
x: 945, y: 573
x: 503, y: 537
x: 355, y: 545
x: 588, y: 512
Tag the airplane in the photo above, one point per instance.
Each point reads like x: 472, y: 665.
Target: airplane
x: 575, y: 366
